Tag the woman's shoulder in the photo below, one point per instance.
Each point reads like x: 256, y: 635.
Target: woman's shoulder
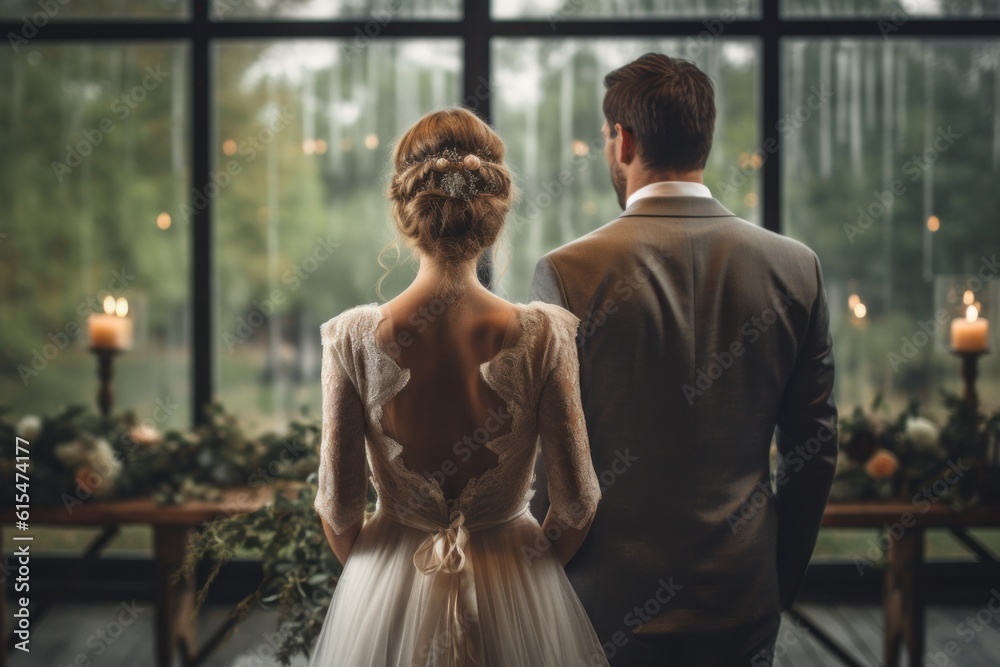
x: 348, y: 324
x: 551, y: 330
x: 554, y: 318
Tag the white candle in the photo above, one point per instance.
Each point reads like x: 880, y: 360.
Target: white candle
x: 971, y: 334
x: 111, y: 329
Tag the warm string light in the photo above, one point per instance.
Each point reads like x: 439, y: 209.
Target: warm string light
x: 857, y: 308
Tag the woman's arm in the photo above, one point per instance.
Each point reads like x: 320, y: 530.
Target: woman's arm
x: 342, y: 544
x: 565, y: 540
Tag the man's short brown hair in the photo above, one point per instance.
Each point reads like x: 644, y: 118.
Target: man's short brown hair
x: 668, y: 104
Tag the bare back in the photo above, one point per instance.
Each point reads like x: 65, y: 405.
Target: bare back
x: 446, y: 414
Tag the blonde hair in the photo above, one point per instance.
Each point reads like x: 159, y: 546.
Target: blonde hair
x: 428, y: 213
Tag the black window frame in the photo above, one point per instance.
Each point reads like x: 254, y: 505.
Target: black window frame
x: 476, y: 29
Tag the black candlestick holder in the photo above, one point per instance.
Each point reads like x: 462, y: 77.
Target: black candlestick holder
x: 970, y: 370
x: 989, y: 475
x: 105, y: 375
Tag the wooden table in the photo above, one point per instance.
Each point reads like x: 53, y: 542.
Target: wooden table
x: 172, y: 526
x: 902, y: 601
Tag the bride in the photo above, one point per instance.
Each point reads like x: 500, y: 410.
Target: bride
x: 444, y: 396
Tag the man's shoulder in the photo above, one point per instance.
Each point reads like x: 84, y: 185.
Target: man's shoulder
x: 597, y: 241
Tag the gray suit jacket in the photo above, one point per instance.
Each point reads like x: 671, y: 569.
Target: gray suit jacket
x: 700, y: 334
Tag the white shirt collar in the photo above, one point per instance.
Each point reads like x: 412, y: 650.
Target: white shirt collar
x: 669, y: 189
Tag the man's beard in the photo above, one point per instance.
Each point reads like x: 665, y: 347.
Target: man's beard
x: 618, y: 183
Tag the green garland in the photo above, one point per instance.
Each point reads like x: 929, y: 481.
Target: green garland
x: 911, y: 458
x: 75, y: 459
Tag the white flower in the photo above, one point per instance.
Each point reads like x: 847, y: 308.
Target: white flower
x: 29, y: 426
x: 102, y: 458
x: 205, y: 458
x: 72, y: 453
x: 924, y: 433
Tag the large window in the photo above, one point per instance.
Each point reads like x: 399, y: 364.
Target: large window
x: 94, y: 163
x: 892, y: 180
x: 547, y: 107
x: 302, y: 141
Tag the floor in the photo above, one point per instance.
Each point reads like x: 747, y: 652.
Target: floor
x: 69, y: 635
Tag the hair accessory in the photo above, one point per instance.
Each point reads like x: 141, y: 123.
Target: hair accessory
x: 457, y: 179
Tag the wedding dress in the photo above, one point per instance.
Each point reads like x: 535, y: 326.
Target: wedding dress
x: 472, y: 580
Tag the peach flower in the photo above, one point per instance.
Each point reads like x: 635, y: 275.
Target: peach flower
x: 882, y: 465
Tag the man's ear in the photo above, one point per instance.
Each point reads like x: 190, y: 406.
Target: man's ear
x: 626, y: 145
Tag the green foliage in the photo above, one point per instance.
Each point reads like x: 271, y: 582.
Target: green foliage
x: 299, y: 568
x: 172, y: 467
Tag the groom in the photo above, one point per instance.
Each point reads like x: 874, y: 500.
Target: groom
x: 702, y: 336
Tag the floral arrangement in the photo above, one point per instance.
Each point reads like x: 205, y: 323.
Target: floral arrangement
x: 910, y: 457
x: 74, y: 457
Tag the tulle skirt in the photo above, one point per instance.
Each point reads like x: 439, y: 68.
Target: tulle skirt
x: 528, y: 614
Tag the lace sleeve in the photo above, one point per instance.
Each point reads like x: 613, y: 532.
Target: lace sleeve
x: 343, y: 483
x: 574, y: 490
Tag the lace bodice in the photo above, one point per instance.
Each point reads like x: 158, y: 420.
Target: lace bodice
x: 538, y: 380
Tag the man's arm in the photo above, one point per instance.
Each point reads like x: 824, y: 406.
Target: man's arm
x: 807, y: 447
x: 546, y: 284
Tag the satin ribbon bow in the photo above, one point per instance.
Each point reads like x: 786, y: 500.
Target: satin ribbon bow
x: 444, y: 551
x: 453, y: 589
x: 453, y: 637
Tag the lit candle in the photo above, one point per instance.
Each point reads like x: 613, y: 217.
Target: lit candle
x: 111, y: 330
x: 971, y: 334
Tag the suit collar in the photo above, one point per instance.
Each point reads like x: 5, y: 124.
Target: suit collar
x: 677, y: 207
